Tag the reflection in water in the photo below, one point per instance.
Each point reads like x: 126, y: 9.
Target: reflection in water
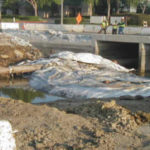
x: 21, y: 94
x: 19, y: 89
x: 143, y: 74
x: 19, y: 82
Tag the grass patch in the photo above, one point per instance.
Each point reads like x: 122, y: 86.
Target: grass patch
x: 9, y: 18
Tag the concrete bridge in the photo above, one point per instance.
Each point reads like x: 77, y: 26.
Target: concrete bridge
x: 135, y: 47
x: 142, y: 43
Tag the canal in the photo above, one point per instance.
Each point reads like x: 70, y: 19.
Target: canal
x: 19, y: 89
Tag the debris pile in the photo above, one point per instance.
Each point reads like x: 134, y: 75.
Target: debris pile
x: 112, y: 116
x: 14, y: 50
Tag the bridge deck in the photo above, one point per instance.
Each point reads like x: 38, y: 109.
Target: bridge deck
x: 126, y: 38
x: 122, y: 38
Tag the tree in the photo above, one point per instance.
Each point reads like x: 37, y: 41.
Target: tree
x: 91, y: 4
x: 42, y: 3
x: 117, y: 6
x: 12, y: 5
x: 109, y: 3
x: 34, y: 5
x: 108, y: 9
x: 143, y: 5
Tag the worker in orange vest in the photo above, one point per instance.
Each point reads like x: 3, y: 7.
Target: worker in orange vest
x: 79, y: 18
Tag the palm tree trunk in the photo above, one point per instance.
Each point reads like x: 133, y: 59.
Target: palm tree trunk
x: 108, y: 10
x: 34, y: 5
x: 118, y: 5
x: 143, y: 10
x: 35, y: 10
x: 91, y: 9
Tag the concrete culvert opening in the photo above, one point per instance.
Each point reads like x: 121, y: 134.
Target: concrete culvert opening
x: 126, y: 54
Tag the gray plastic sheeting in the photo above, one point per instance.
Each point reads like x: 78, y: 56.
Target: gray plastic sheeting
x: 84, y: 75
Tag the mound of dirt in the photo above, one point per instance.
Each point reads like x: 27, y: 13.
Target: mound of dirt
x: 14, y: 50
x: 110, y: 115
x: 90, y: 126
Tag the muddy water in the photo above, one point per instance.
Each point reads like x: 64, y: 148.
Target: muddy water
x: 19, y: 89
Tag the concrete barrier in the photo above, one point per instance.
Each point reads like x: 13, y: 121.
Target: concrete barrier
x: 57, y: 27
x: 83, y: 28
x: 113, y: 19
x: 97, y: 19
x: 72, y: 28
x: 8, y: 25
x: 92, y: 28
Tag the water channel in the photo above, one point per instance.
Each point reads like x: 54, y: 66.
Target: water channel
x: 19, y: 89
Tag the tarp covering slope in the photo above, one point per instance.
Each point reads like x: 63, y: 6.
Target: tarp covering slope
x: 85, y: 75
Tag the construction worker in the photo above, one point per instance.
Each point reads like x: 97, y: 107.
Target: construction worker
x: 104, y: 26
x: 114, y: 27
x: 121, y: 26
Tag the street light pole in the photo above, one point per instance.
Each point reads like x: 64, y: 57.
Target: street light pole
x: 62, y: 11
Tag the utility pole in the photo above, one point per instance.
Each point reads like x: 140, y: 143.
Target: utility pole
x: 62, y: 11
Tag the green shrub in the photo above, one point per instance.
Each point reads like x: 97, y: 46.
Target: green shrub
x: 22, y: 18
x: 29, y: 18
x: 136, y: 19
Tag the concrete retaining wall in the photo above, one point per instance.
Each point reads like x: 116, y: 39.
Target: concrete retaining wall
x: 64, y: 28
x: 8, y: 25
x: 83, y: 28
x: 71, y: 28
x: 99, y: 19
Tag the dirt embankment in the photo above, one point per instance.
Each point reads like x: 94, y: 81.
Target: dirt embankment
x: 13, y: 54
x: 90, y: 125
x: 14, y: 50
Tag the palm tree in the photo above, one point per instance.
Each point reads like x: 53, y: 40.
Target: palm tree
x: 143, y: 5
x: 40, y: 3
x: 108, y: 9
x: 34, y: 5
x: 91, y: 4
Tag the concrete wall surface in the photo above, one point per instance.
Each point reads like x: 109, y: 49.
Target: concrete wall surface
x: 8, y: 25
x: 99, y: 19
x: 72, y: 28
x: 83, y: 28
